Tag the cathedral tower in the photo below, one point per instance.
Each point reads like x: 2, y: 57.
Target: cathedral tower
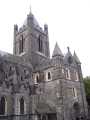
x: 35, y: 86
x: 31, y: 38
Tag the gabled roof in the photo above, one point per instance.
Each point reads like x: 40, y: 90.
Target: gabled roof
x: 76, y: 58
x: 57, y: 51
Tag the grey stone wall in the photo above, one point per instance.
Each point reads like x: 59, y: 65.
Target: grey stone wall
x: 58, y: 94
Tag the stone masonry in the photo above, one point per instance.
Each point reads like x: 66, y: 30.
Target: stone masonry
x: 33, y: 83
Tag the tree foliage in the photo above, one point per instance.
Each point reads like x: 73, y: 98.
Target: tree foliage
x: 87, y: 86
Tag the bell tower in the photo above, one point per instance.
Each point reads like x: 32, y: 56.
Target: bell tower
x: 31, y: 38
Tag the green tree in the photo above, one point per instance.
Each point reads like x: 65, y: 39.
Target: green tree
x: 87, y: 86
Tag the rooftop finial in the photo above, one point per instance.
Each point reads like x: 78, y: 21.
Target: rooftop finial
x: 30, y: 7
x: 68, y: 48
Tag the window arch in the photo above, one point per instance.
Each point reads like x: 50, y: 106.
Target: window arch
x: 40, y: 44
x: 37, y: 79
x: 76, y: 76
x: 2, y: 105
x: 68, y: 74
x: 74, y: 92
x: 76, y: 107
x: 49, y: 75
x: 21, y: 44
x: 22, y: 106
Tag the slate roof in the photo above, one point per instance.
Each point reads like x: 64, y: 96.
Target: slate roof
x: 34, y: 20
x: 68, y: 54
x: 76, y: 58
x: 57, y: 51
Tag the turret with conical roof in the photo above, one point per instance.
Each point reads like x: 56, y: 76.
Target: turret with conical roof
x: 57, y: 55
x: 57, y: 51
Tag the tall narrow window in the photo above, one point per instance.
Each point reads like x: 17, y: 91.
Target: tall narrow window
x: 68, y: 73
x: 22, y: 106
x: 2, y: 106
x: 37, y: 79
x: 76, y: 76
x: 21, y: 44
x: 49, y: 75
x: 74, y: 92
x: 39, y: 44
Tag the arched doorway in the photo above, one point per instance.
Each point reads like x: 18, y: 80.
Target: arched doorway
x: 76, y: 108
x: 2, y: 105
x: 22, y: 106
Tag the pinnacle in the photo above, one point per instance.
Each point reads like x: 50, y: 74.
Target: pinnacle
x: 76, y: 58
x: 57, y: 51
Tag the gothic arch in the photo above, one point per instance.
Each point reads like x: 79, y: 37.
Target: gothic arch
x: 3, y: 105
x: 21, y: 44
x: 40, y: 43
x: 22, y: 104
x: 76, y: 108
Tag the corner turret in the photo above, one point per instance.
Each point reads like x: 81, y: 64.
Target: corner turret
x: 57, y: 51
x: 57, y: 55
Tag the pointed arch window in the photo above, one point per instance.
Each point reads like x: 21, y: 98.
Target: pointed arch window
x: 40, y: 43
x: 21, y: 44
x: 74, y: 92
x: 76, y: 76
x: 22, y: 106
x: 2, y: 105
x: 68, y: 74
x: 49, y: 75
x: 37, y: 79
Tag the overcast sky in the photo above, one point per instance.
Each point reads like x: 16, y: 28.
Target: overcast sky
x: 68, y: 22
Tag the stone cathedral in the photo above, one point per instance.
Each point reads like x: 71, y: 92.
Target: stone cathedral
x: 34, y: 86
